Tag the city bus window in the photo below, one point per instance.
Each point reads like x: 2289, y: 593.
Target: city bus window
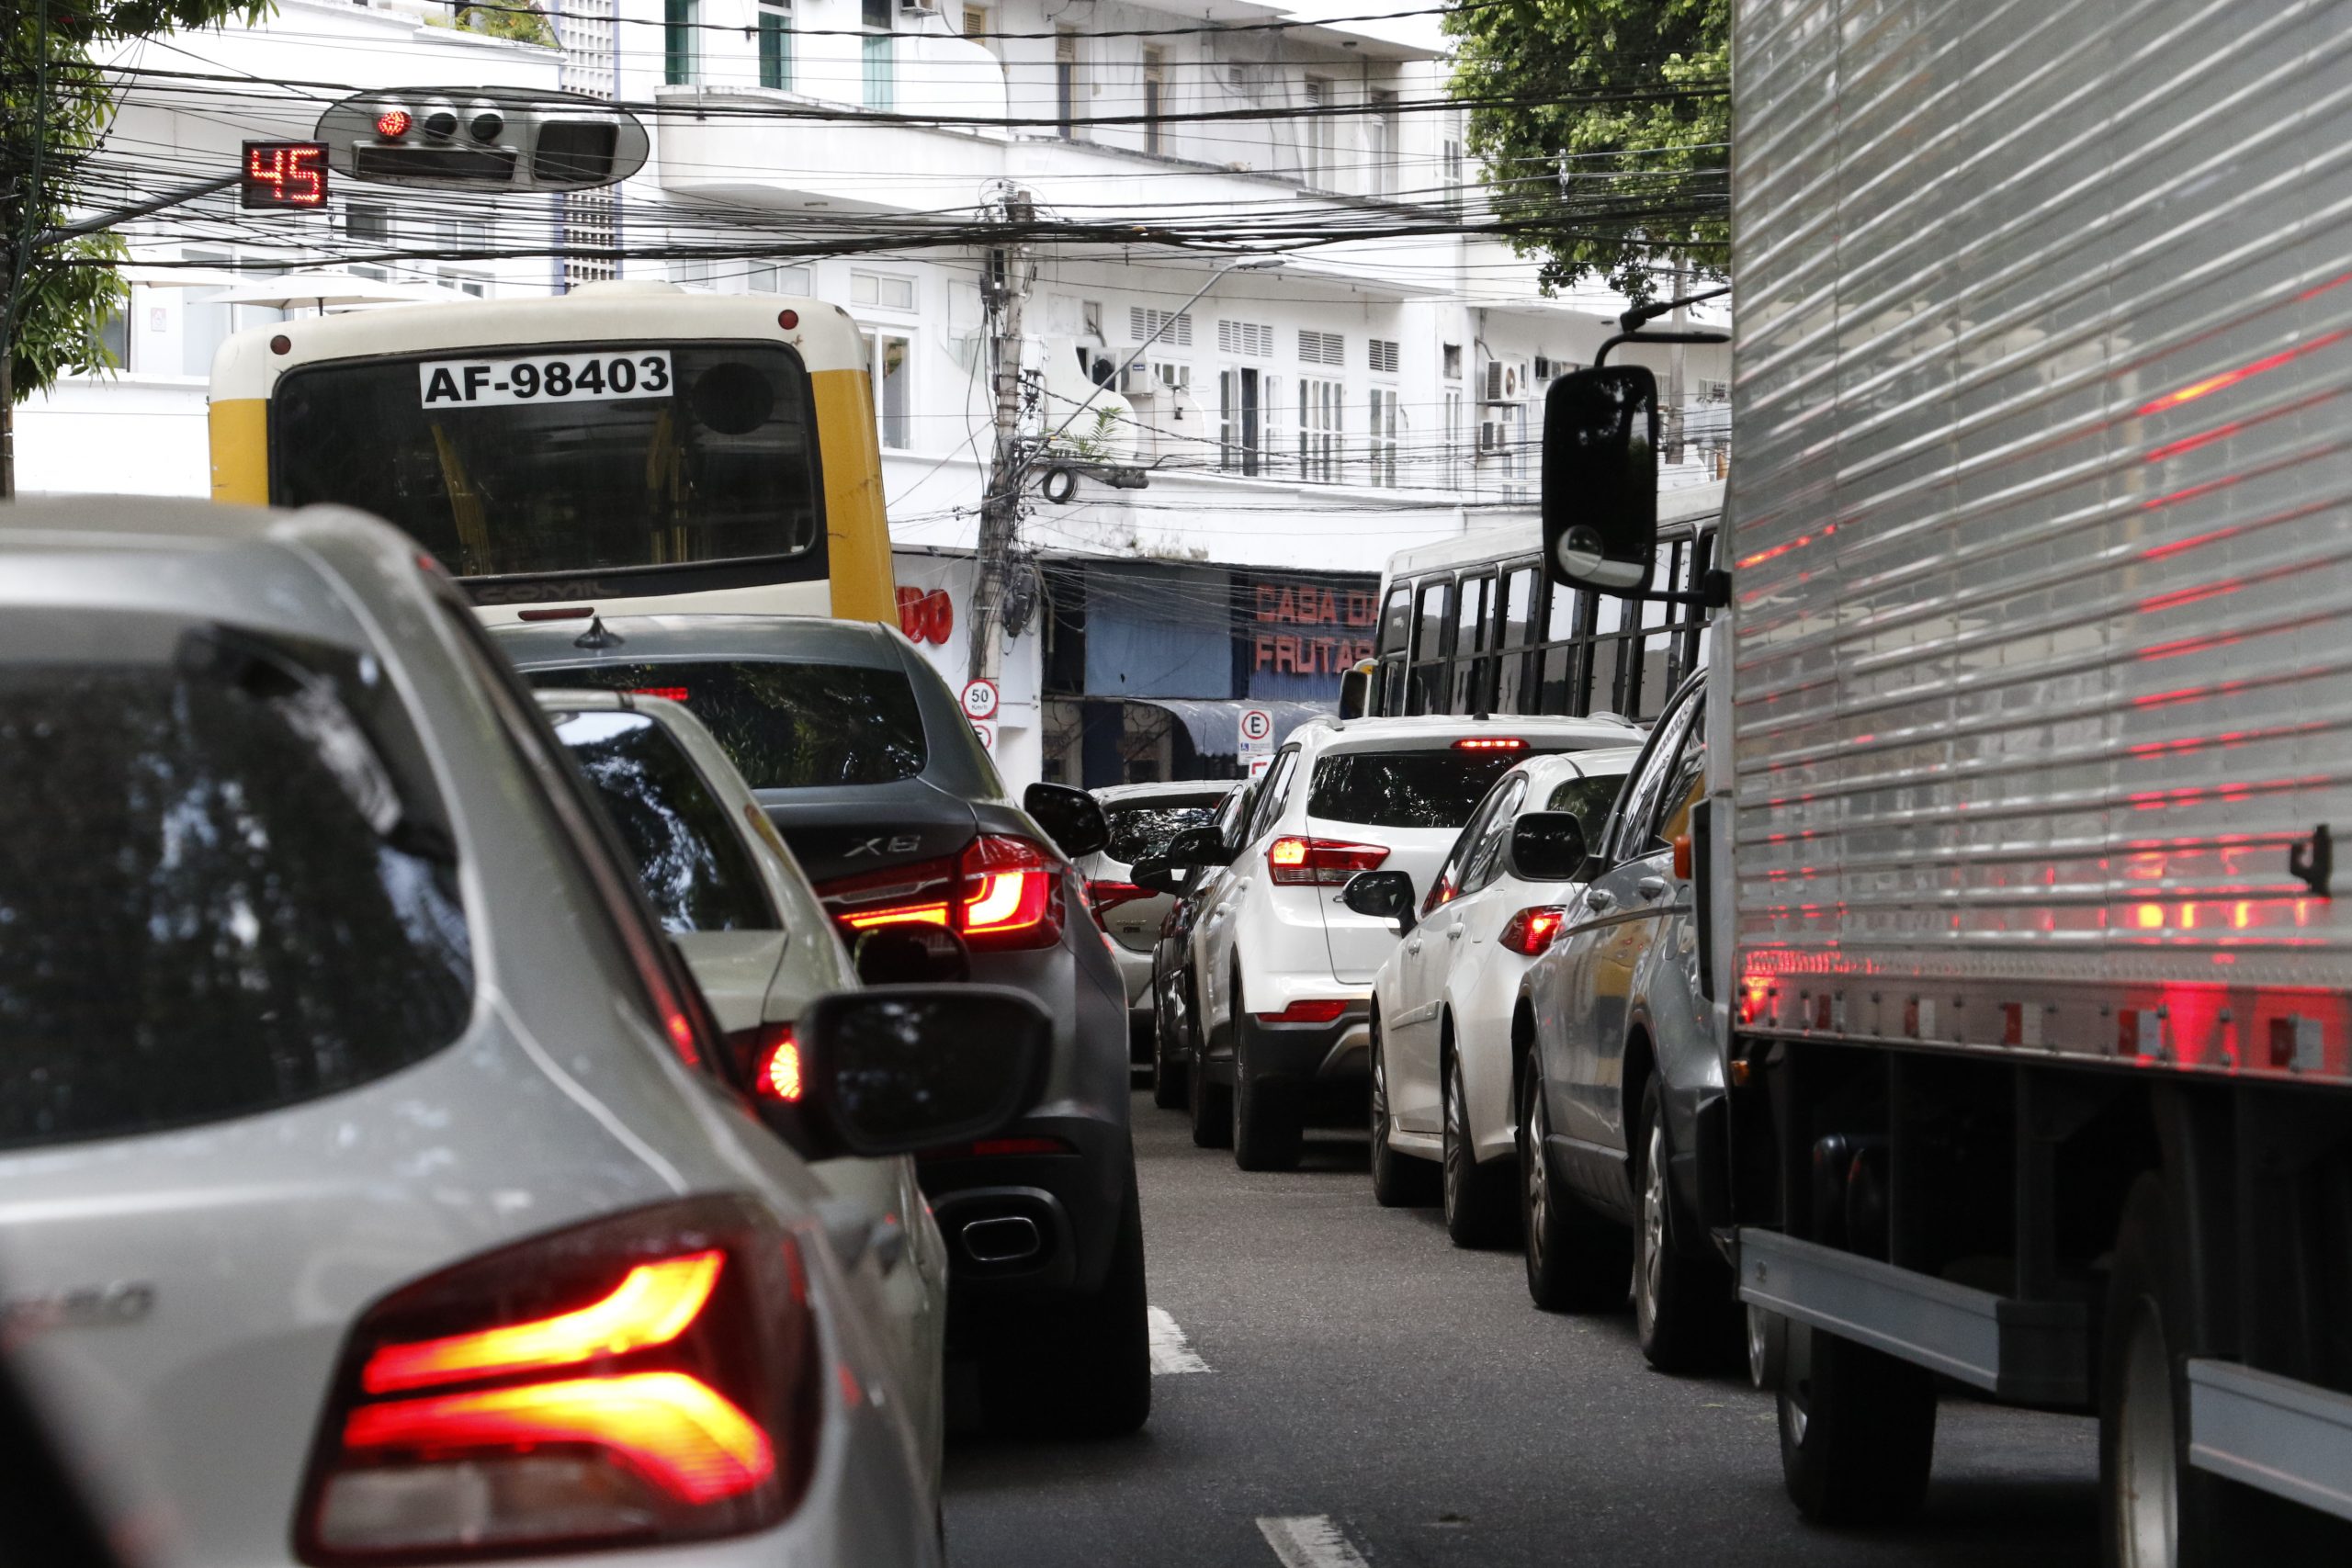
x: 623, y: 456
x: 1470, y: 683
x: 1516, y: 621
x: 1426, y: 691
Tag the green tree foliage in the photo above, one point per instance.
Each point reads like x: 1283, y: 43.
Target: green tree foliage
x: 56, y: 109
x: 521, y: 23
x: 1604, y: 126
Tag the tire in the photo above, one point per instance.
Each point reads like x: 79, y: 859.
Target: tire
x: 1169, y: 1078
x: 1480, y: 1202
x: 1210, y: 1103
x: 1858, y: 1430
x: 1078, y: 1367
x: 1575, y: 1261
x: 1268, y: 1129
x: 1684, y: 1311
x: 1398, y: 1181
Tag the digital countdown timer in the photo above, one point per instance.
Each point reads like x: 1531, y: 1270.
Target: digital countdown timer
x: 285, y: 174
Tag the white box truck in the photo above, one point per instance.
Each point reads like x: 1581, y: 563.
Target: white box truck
x: 2030, y: 742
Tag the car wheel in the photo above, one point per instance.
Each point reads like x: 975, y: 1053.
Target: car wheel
x: 1081, y: 1366
x: 1268, y: 1129
x: 1684, y: 1307
x: 1575, y: 1260
x: 1858, y: 1430
x: 1168, y: 1075
x: 1209, y: 1102
x: 1479, y: 1208
x: 1398, y: 1181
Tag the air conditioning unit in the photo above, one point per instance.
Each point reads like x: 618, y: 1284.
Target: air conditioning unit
x: 918, y: 7
x: 1136, y: 380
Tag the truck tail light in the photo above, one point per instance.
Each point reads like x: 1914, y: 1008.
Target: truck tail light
x: 1529, y: 932
x: 1320, y: 863
x: 1309, y: 1010
x: 1000, y: 893
x: 647, y: 1379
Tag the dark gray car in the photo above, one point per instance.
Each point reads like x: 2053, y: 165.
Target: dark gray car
x: 863, y: 760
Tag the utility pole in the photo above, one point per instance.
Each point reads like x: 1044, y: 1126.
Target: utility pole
x: 1004, y: 290
x: 1674, y: 371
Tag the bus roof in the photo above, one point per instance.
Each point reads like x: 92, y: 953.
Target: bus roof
x: 1682, y: 504
x: 622, y: 312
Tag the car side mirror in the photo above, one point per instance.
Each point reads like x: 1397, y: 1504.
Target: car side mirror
x: 1071, y: 818
x: 1161, y: 874
x: 895, y: 1069
x: 1355, y: 691
x: 912, y: 954
x: 1600, y: 504
x: 1198, y: 846
x: 1383, y: 895
x: 1547, y: 846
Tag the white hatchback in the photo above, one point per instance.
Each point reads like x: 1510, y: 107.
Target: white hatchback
x: 1446, y: 1004
x: 1283, y: 968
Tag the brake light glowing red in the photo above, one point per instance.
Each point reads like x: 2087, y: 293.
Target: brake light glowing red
x: 1491, y: 743
x: 675, y: 693
x: 1307, y: 1009
x: 1320, y: 863
x: 1000, y: 893
x: 1529, y: 932
x: 776, y: 1074
x: 651, y: 1305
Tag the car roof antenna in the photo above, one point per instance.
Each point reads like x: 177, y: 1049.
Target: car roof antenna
x: 597, y: 637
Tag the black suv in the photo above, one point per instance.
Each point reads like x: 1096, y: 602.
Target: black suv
x: 864, y: 762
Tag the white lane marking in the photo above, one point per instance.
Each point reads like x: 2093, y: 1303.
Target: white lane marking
x: 1310, y: 1541
x: 1169, y: 1353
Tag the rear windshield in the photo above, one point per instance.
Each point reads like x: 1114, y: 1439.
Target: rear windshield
x: 225, y: 883
x: 1143, y: 830
x: 688, y: 851
x: 785, y: 725
x: 1588, y: 798
x: 652, y: 455
x: 1406, y: 789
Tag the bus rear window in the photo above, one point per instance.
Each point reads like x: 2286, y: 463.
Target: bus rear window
x: 708, y: 456
x: 785, y: 724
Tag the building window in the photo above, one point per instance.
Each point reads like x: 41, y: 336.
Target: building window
x: 888, y: 361
x: 1450, y: 358
x: 1146, y: 325
x: 367, y: 223
x: 1068, y: 81
x: 977, y: 28
x: 1380, y: 138
x: 776, y: 44
x: 880, y: 54
x: 1454, y: 171
x: 1380, y: 452
x: 768, y: 278
x: 1318, y: 428
x: 1321, y: 348
x: 1453, y: 436
x: 1240, y: 420
x: 1251, y: 340
x: 1383, y: 357
x: 681, y: 41
x: 1316, y: 164
x: 1155, y: 76
x: 888, y: 290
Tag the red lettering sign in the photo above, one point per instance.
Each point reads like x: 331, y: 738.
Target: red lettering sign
x: 284, y: 174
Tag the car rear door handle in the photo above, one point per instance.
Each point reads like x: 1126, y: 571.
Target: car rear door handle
x: 1454, y: 933
x: 1414, y: 945
x: 1600, y: 900
x: 1651, y: 887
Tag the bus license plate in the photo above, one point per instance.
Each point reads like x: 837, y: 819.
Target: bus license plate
x: 544, y: 378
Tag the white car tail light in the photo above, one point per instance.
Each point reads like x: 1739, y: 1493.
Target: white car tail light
x: 1529, y: 932
x: 646, y: 1379
x: 1320, y: 863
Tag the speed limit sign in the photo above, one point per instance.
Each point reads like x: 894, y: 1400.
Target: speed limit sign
x: 985, y: 733
x: 980, y: 699
x: 1257, y: 731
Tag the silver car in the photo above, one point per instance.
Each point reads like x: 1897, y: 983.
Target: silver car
x: 374, y: 1184
x: 735, y: 903
x: 1143, y: 819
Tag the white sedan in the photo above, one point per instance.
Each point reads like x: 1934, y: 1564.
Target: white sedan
x: 1444, y: 1004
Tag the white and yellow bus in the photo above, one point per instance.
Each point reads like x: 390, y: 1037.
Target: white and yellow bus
x: 628, y: 446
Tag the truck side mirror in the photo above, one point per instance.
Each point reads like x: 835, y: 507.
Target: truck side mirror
x: 1601, y: 480
x: 1547, y: 846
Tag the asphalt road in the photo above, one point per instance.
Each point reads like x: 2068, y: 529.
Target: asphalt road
x: 1372, y: 1394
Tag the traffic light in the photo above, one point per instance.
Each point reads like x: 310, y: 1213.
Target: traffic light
x: 486, y: 139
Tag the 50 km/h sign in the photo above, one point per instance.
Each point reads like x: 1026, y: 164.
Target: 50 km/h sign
x: 980, y: 699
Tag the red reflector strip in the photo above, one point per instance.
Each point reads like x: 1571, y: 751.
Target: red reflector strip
x: 993, y: 1148
x: 675, y: 693
x: 569, y: 613
x: 1315, y: 1010
x: 1491, y: 743
x: 654, y: 1304
x: 673, y: 1429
